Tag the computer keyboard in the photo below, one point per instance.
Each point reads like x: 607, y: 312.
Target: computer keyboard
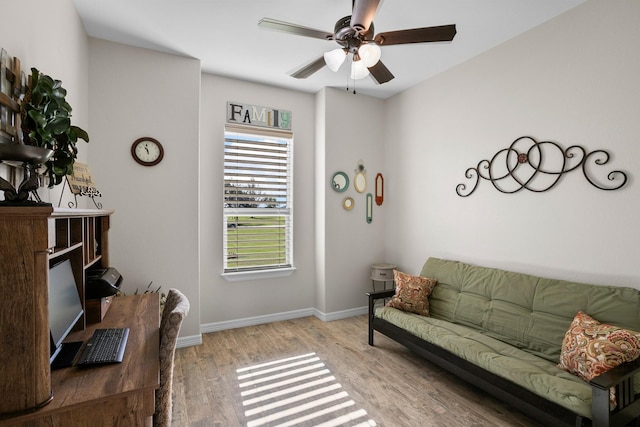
x: 105, y: 346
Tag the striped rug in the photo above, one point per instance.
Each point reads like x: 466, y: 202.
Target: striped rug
x: 296, y: 391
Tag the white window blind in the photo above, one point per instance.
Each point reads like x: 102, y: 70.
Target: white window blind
x: 258, y: 220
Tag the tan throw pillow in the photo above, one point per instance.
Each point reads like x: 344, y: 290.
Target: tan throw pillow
x: 412, y: 293
x: 590, y: 348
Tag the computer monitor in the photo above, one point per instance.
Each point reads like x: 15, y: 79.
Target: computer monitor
x: 65, y: 309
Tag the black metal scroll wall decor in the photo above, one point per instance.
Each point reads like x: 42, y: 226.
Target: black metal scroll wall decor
x: 538, y: 166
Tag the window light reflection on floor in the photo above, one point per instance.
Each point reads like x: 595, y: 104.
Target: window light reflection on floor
x: 297, y: 391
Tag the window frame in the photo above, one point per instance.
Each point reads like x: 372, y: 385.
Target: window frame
x: 236, y: 273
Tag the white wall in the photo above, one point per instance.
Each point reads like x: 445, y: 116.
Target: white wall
x: 52, y: 40
x: 320, y: 193
x: 154, y: 231
x: 353, y: 130
x: 333, y: 248
x: 254, y: 300
x: 573, y: 80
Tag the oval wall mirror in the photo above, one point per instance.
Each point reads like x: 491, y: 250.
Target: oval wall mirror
x: 348, y: 203
x: 340, y: 181
x: 360, y: 182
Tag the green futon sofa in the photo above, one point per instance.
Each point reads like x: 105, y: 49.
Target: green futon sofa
x: 503, y: 332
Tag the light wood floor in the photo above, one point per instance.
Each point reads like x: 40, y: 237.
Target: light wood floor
x: 394, y: 386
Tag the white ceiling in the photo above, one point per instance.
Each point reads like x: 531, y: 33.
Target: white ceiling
x: 225, y: 36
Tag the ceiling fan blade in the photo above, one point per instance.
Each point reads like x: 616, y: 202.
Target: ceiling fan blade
x: 298, y: 30
x: 444, y: 33
x: 363, y: 13
x: 380, y: 73
x: 309, y: 69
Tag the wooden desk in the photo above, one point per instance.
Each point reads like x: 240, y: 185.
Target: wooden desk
x: 121, y: 394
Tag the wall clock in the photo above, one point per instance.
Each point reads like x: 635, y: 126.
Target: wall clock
x: 147, y: 151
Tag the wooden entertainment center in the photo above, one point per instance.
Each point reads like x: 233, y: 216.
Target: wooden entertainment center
x: 32, y: 239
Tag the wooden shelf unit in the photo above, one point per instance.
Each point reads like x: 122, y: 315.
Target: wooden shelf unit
x: 81, y: 236
x: 32, y: 239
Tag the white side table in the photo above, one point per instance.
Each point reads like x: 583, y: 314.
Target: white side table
x: 382, y: 272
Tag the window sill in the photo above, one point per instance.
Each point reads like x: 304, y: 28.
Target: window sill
x: 257, y: 275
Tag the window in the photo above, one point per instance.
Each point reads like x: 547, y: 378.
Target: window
x: 258, y: 199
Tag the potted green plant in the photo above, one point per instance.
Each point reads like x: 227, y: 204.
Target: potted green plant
x: 46, y: 123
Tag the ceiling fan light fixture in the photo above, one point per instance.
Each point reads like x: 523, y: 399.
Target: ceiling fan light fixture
x: 357, y: 38
x: 359, y: 70
x: 334, y: 58
x: 370, y: 54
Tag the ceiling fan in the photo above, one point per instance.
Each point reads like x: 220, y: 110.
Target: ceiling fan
x: 355, y: 35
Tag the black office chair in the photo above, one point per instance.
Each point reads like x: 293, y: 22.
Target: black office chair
x: 175, y: 309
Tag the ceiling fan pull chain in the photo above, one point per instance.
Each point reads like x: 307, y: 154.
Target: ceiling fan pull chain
x: 352, y: 78
x: 347, y: 82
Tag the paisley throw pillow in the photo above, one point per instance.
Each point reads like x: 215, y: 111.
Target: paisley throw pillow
x: 590, y: 348
x: 412, y: 293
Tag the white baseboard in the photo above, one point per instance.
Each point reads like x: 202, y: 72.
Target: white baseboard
x: 288, y: 315
x: 189, y: 341
x: 252, y: 321
x: 337, y: 315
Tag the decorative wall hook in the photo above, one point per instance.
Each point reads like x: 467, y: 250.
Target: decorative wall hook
x: 538, y: 166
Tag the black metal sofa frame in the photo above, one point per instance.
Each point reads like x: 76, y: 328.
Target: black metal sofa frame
x: 531, y: 404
